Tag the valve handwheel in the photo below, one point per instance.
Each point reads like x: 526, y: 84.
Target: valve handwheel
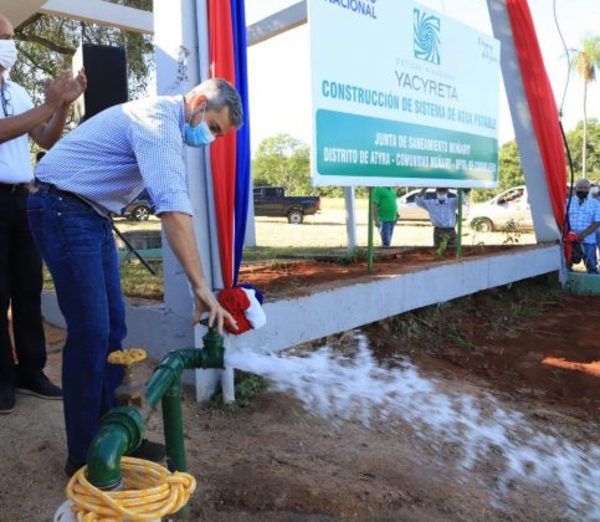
x: 127, y: 357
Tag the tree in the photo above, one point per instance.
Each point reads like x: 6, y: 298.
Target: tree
x: 586, y: 61
x: 509, y: 166
x: 510, y: 172
x: 47, y: 43
x: 282, y: 160
x: 509, y: 162
x: 592, y: 148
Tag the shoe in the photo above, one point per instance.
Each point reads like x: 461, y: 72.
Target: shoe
x: 39, y: 386
x: 71, y: 467
x: 148, y: 450
x: 7, y: 398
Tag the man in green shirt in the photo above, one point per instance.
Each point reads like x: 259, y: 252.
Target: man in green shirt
x: 385, y: 212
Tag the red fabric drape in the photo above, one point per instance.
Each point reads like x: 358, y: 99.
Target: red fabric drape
x: 223, y: 150
x: 542, y: 105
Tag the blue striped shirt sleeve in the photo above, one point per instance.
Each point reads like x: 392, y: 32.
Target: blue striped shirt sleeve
x: 156, y: 140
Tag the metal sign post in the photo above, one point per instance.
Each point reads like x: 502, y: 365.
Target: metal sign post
x: 370, y: 245
x: 459, y: 195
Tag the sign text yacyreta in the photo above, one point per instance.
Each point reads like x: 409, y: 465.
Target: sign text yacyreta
x: 401, y: 96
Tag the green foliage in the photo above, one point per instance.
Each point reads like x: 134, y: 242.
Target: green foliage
x: 247, y: 386
x: 512, y: 233
x: 510, y: 172
x: 356, y: 255
x: 575, y: 141
x: 47, y: 44
x: 520, y: 300
x: 282, y: 160
x: 586, y: 60
x: 440, y: 251
x: 509, y: 164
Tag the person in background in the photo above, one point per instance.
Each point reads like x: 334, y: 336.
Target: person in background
x: 80, y: 182
x: 443, y: 213
x: 385, y: 213
x: 20, y: 261
x: 595, y: 194
x: 584, y: 220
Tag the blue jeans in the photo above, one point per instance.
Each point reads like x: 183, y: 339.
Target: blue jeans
x: 79, y: 250
x: 589, y: 258
x: 386, y: 230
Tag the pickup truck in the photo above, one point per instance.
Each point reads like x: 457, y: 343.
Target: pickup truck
x: 272, y: 201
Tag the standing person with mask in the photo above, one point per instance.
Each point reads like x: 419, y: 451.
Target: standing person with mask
x: 584, y: 220
x: 96, y: 170
x: 442, y: 212
x: 595, y: 195
x: 385, y: 213
x: 20, y: 261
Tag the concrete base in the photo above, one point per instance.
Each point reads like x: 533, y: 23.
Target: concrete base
x: 583, y: 284
x: 296, y: 320
x: 333, y: 310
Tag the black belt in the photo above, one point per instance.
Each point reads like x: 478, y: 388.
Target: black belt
x: 13, y: 187
x: 53, y: 189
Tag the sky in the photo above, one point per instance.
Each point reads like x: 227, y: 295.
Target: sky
x: 279, y: 69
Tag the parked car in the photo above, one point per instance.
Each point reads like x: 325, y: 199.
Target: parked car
x: 408, y: 209
x: 140, y: 209
x: 510, y: 206
x: 272, y: 201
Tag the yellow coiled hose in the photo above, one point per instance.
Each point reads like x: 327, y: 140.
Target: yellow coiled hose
x: 150, y: 492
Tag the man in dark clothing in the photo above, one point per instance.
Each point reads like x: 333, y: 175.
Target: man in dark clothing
x: 20, y: 261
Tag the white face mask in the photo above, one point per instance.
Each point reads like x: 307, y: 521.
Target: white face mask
x: 442, y: 197
x: 8, y: 53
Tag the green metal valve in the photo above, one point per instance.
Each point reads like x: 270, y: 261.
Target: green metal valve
x: 213, y: 351
x: 122, y: 429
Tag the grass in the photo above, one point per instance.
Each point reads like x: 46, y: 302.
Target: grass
x: 436, y: 327
x: 136, y: 280
x: 525, y: 301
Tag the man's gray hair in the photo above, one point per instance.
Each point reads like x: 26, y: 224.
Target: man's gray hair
x: 221, y: 93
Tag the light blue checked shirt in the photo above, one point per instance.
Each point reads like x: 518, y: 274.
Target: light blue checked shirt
x: 109, y: 159
x: 442, y: 215
x: 583, y: 215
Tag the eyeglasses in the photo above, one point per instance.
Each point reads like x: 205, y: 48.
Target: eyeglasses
x: 7, y: 107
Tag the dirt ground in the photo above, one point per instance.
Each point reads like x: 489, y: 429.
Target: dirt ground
x: 531, y: 346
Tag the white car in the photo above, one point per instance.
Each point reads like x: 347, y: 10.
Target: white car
x: 510, y: 206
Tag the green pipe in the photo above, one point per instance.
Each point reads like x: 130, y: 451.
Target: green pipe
x: 121, y: 430
x: 173, y: 427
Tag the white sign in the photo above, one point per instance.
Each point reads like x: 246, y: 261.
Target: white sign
x: 402, y: 95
